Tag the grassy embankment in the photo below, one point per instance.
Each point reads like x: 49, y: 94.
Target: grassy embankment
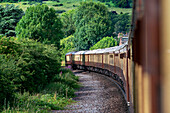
x: 67, y: 5
x: 55, y: 96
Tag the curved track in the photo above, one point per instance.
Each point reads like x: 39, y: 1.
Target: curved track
x: 98, y: 94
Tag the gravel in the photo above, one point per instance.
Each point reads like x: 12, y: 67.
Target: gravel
x: 98, y: 94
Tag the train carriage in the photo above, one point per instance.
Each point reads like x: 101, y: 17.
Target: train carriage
x: 79, y: 59
x: 107, y: 53
x: 91, y: 58
x: 141, y: 65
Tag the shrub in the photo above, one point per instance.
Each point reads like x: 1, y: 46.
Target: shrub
x: 28, y: 65
x: 74, y: 5
x: 60, y: 11
x: 39, y: 64
x: 56, y: 5
x: 24, y: 3
x: 25, y: 65
x: 104, y: 43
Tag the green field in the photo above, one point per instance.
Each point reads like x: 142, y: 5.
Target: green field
x: 67, y: 5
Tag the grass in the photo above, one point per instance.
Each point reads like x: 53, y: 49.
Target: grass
x: 41, y: 103
x: 68, y: 5
x: 55, y: 96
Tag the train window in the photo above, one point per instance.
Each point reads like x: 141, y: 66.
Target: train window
x: 111, y: 59
x: 129, y: 54
x: 77, y: 58
x: 111, y: 56
x: 122, y: 55
x: 106, y: 59
x: 91, y: 58
x: 86, y: 58
x: 68, y: 58
x: 99, y: 58
x: 116, y: 54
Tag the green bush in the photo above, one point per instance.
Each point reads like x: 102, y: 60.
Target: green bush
x: 25, y: 65
x: 119, y: 3
x: 104, y: 43
x: 39, y: 64
x: 60, y: 11
x: 64, y: 84
x: 55, y: 96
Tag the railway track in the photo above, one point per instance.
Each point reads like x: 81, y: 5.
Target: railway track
x: 98, y: 94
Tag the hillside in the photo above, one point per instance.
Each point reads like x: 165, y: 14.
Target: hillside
x: 65, y: 5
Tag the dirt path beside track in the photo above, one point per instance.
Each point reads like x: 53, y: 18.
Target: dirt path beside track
x: 97, y: 95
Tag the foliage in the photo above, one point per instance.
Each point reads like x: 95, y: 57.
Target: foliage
x: 119, y: 3
x: 9, y: 17
x: 55, y: 96
x: 123, y: 23
x: 104, y: 43
x: 41, y: 23
x: 9, y: 74
x: 15, y: 1
x: 68, y: 23
x: 25, y: 65
x: 92, y: 22
x: 28, y: 65
x: 67, y: 78
x: 120, y: 23
x: 60, y: 11
x: 67, y: 5
x: 39, y: 64
x: 66, y: 46
x: 41, y: 102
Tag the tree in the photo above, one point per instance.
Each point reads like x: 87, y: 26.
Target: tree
x: 9, y: 17
x: 40, y: 23
x: 104, y: 43
x: 123, y: 23
x: 92, y: 23
x: 66, y: 46
x: 68, y: 23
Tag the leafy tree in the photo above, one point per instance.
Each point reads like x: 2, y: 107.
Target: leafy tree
x: 40, y: 23
x: 9, y: 17
x: 92, y: 23
x: 25, y: 65
x: 28, y: 62
x: 67, y: 46
x: 68, y: 23
x: 7, y: 78
x: 104, y: 43
x: 123, y: 23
